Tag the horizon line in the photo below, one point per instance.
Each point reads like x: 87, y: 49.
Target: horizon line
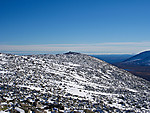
x: 58, y: 52
x: 95, y: 48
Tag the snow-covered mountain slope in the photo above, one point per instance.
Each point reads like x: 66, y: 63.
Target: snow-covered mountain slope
x: 74, y: 81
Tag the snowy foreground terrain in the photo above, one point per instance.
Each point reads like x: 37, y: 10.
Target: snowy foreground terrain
x: 70, y: 82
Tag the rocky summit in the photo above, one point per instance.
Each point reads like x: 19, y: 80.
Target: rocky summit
x: 67, y: 83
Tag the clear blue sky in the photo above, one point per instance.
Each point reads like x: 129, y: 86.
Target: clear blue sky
x: 41, y: 22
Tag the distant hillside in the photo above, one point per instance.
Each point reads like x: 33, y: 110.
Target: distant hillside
x: 138, y: 65
x: 139, y: 59
x: 113, y: 58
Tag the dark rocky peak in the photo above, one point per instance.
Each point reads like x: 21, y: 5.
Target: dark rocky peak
x: 70, y: 52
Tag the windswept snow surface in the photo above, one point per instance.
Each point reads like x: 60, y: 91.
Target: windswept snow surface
x: 19, y: 110
x: 3, y: 112
x: 74, y: 76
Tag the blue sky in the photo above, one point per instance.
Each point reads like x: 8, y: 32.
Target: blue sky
x: 88, y: 26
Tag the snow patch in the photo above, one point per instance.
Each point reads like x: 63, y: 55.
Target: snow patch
x: 132, y: 90
x: 31, y: 87
x: 20, y: 110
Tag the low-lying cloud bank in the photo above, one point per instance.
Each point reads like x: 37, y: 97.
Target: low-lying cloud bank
x: 98, y: 48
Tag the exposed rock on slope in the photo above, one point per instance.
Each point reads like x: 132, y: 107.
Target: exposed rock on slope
x: 67, y: 82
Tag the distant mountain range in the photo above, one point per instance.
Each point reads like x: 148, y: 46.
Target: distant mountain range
x: 70, y: 82
x: 139, y: 59
x: 113, y: 58
x: 138, y: 65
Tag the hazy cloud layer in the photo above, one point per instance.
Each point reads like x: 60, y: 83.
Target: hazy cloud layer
x: 99, y: 48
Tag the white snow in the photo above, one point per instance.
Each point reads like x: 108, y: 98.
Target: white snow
x: 71, y: 64
x: 7, y: 98
x: 75, y: 91
x: 3, y: 72
x: 30, y: 87
x: 78, y: 77
x: 3, y: 103
x: 2, y: 62
x: 20, y: 110
x: 132, y: 90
